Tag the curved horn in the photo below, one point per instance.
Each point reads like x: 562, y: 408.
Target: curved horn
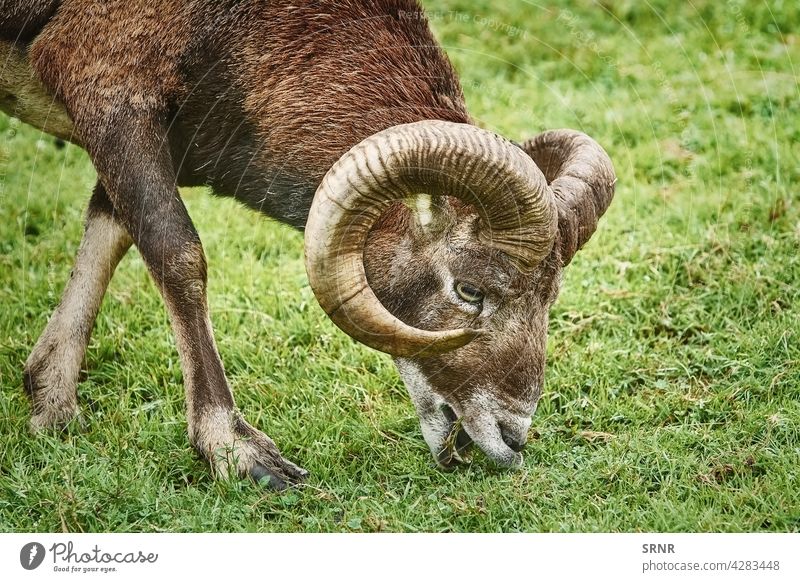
x: 510, y: 194
x: 582, y: 178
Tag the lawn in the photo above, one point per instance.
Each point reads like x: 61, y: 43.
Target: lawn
x: 672, y: 396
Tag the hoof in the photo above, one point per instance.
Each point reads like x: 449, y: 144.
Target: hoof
x: 235, y: 448
x: 278, y: 480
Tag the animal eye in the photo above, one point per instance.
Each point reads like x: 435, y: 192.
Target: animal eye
x: 469, y: 293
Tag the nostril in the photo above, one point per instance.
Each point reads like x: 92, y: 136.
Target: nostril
x: 514, y: 444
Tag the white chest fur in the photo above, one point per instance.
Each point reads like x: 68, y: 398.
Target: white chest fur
x: 22, y: 94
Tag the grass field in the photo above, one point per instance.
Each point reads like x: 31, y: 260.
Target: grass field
x: 672, y: 399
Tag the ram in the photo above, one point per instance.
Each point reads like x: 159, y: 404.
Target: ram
x: 426, y: 237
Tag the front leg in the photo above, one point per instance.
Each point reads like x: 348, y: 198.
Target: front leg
x: 134, y: 164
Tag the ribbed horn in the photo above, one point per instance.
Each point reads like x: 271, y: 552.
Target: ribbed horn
x: 507, y: 189
x: 582, y: 178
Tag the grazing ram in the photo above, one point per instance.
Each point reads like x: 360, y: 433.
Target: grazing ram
x: 428, y: 238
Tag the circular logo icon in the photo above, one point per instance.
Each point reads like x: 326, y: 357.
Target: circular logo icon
x: 31, y: 555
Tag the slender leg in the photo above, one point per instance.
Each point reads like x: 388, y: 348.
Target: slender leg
x: 51, y: 372
x: 136, y: 168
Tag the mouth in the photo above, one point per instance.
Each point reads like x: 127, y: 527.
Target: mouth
x: 457, y: 444
x: 451, y: 428
x: 496, y: 444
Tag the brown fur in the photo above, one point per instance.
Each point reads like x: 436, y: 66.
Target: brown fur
x: 22, y: 19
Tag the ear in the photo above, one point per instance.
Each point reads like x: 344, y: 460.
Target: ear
x: 582, y: 179
x: 430, y: 215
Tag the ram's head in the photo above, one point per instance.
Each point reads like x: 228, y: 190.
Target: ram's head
x: 456, y: 281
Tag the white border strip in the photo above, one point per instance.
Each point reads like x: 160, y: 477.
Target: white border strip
x: 406, y: 557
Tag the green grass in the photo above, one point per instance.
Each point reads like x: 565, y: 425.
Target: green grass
x: 672, y: 399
